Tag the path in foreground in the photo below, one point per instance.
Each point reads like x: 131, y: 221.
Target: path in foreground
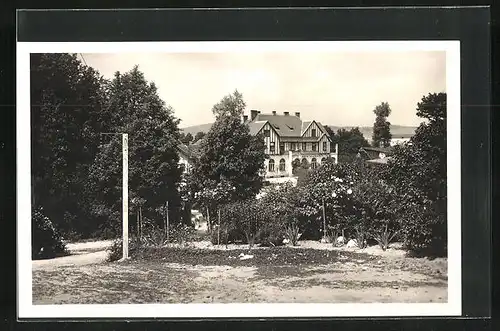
x: 391, y: 279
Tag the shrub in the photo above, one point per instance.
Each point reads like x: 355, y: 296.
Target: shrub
x: 292, y: 233
x: 115, y: 251
x: 46, y: 242
x: 180, y: 233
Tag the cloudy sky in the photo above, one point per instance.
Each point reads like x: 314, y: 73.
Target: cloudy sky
x: 339, y: 89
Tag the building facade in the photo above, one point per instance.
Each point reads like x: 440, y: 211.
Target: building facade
x: 290, y: 141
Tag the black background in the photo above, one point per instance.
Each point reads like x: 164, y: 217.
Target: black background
x: 469, y: 25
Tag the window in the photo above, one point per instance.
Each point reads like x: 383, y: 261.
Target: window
x: 305, y: 164
x: 323, y: 160
x: 314, y: 147
x: 272, y: 148
x: 313, y: 164
x: 292, y: 146
x: 324, y: 146
x: 271, y: 166
x: 313, y: 132
x: 304, y: 147
x: 267, y: 133
x: 282, y: 148
x: 282, y: 165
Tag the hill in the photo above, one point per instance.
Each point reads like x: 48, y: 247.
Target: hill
x: 396, y: 130
x: 197, y: 128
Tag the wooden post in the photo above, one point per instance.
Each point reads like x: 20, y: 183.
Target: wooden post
x: 138, y: 227
x: 218, y: 227
x: 140, y: 222
x: 168, y: 225
x: 324, y: 219
x: 125, y: 194
x: 208, y: 221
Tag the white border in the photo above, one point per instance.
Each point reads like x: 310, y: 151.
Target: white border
x: 27, y: 310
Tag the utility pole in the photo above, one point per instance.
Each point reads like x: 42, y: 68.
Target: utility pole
x: 124, y: 191
x: 125, y: 194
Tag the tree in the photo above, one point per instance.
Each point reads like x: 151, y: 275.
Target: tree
x: 187, y: 139
x: 154, y: 174
x: 373, y: 201
x: 230, y: 153
x: 199, y: 136
x: 418, y: 170
x: 231, y: 106
x: 322, y: 194
x: 67, y: 116
x: 350, y: 141
x: 382, y: 128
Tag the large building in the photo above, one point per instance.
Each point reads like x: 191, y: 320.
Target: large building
x: 289, y: 140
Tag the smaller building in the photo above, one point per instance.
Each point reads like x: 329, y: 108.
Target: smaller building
x: 187, y: 154
x: 378, y: 155
x: 400, y: 139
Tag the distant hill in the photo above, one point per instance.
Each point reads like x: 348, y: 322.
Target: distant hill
x: 197, y: 128
x: 396, y: 130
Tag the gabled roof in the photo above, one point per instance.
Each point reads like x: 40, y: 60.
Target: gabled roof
x: 307, y: 124
x: 285, y: 125
x: 255, y: 127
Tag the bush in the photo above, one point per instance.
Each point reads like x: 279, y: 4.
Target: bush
x: 46, y: 242
x: 180, y: 233
x: 115, y: 251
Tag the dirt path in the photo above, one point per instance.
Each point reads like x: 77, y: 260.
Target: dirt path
x: 84, y: 278
x: 86, y: 253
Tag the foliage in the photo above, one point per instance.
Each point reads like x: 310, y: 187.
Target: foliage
x: 46, y: 242
x: 199, y: 135
x: 115, y: 250
x: 382, y: 128
x: 67, y: 116
x: 326, y: 187
x: 231, y: 161
x: 349, y: 141
x: 154, y: 174
x: 187, y: 138
x: 283, y: 218
x: 418, y: 171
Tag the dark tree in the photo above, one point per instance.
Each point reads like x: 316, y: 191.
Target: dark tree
x: 350, y: 141
x: 382, y: 128
x: 154, y: 174
x: 230, y: 153
x: 199, y: 135
x: 419, y: 171
x: 68, y: 114
x: 187, y: 139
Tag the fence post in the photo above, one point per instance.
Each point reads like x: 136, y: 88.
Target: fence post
x: 218, y: 227
x: 324, y: 220
x: 168, y: 225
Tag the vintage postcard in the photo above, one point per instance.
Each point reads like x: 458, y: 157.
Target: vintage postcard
x: 239, y: 179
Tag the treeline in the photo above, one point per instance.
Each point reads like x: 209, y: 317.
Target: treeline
x: 76, y: 165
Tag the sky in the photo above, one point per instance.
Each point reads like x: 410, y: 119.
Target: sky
x: 335, y: 88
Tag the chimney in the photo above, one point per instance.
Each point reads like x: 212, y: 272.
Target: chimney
x: 245, y: 118
x: 253, y: 114
x: 286, y: 113
x: 274, y: 112
x: 297, y: 114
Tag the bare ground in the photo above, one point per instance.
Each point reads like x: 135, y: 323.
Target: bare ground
x: 88, y: 278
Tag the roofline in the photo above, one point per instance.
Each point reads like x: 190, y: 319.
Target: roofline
x: 310, y: 123
x: 267, y: 122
